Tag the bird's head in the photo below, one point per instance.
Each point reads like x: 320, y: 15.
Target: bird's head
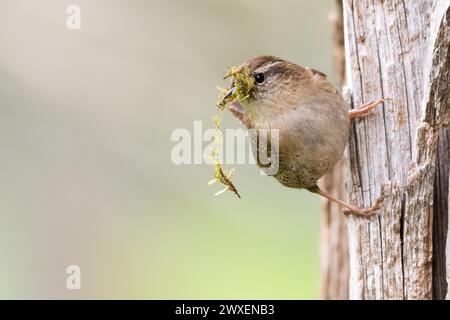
x: 261, y: 88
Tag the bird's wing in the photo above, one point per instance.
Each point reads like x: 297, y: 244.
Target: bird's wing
x: 317, y: 73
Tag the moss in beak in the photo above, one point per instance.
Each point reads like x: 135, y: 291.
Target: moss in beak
x: 239, y: 91
x: 240, y: 88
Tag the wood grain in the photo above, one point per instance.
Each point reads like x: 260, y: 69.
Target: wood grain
x: 400, y: 50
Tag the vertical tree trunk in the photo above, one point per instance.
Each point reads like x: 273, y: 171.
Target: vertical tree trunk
x: 440, y: 217
x: 400, y: 50
x: 334, y: 243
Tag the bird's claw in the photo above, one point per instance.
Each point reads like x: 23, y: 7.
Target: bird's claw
x: 365, y: 212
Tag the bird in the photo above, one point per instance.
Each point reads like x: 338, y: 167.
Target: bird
x: 310, y: 115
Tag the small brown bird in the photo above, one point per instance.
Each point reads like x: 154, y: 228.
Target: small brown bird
x: 312, y: 118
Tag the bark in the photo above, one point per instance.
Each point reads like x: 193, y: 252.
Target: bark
x: 447, y: 250
x: 400, y: 50
x: 440, y: 213
x: 334, y: 242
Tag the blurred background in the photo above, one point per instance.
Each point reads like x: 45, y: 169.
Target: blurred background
x: 86, y: 177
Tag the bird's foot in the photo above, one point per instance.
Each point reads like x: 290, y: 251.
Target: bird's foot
x: 364, y: 212
x: 364, y: 110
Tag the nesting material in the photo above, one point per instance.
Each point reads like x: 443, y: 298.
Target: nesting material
x: 240, y: 90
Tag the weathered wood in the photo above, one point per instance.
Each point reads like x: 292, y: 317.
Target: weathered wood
x: 334, y: 244
x: 440, y: 216
x: 400, y: 50
x: 447, y: 249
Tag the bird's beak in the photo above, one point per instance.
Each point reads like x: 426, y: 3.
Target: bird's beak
x: 229, y: 93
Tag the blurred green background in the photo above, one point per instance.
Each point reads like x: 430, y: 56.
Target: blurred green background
x: 85, y: 171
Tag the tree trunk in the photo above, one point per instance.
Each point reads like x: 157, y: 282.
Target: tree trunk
x: 334, y: 243
x: 399, y: 50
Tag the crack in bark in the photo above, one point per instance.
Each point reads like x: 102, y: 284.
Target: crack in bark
x: 402, y: 230
x: 405, y: 83
x: 381, y: 254
x: 388, y: 154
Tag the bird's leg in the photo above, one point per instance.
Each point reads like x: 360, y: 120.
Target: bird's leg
x: 361, y: 212
x: 363, y: 110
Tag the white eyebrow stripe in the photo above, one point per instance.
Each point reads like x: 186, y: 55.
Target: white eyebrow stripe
x: 267, y: 67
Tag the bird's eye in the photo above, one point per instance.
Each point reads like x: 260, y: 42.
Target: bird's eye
x: 259, y: 78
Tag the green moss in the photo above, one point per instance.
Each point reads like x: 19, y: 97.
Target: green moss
x: 243, y: 84
x: 221, y: 175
